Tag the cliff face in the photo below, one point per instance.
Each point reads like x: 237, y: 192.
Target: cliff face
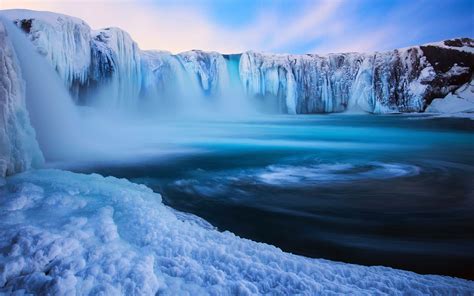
x: 403, y: 80
x: 19, y: 149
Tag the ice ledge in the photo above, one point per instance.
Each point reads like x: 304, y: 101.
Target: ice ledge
x: 64, y: 233
x: 459, y: 103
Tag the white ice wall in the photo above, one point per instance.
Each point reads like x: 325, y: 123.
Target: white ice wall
x: 377, y: 83
x: 109, y: 60
x: 19, y: 149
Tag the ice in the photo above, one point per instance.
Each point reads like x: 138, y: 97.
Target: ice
x: 85, y: 234
x: 460, y: 101
x: 19, y: 149
x: 209, y: 67
x: 123, y: 56
x: 107, y: 67
x: 339, y: 82
x: 63, y: 40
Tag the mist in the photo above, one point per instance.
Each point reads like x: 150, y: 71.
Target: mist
x: 113, y: 129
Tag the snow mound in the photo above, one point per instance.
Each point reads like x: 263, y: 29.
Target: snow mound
x: 66, y: 233
x: 461, y: 101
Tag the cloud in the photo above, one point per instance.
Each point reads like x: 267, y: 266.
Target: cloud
x: 310, y: 24
x: 316, y: 26
x: 184, y: 27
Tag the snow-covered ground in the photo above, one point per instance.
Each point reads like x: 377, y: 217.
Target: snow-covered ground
x: 67, y: 233
x: 457, y: 104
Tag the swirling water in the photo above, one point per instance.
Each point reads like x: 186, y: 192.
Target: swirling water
x: 375, y: 190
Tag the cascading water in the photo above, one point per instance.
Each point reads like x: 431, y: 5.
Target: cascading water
x: 52, y: 112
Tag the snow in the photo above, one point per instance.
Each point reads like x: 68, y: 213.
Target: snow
x: 19, y: 149
x: 66, y: 233
x: 340, y: 82
x: 63, y: 40
x: 125, y: 61
x: 209, y: 68
x: 460, y: 101
x: 463, y: 44
x: 110, y: 62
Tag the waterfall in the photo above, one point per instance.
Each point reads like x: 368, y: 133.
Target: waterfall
x: 52, y: 112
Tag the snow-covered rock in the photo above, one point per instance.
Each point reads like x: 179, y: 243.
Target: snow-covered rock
x: 84, y: 59
x: 19, y: 149
x: 460, y: 101
x: 403, y: 80
x: 65, y: 233
x: 62, y: 39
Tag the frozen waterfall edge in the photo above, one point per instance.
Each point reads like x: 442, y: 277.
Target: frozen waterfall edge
x: 401, y: 80
x: 19, y: 149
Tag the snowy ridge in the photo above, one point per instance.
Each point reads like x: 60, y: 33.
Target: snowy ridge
x: 404, y: 80
x: 19, y: 149
x: 461, y: 44
x: 66, y: 233
x: 456, y: 103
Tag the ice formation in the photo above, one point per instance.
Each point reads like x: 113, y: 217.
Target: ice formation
x: 66, y: 233
x: 395, y: 81
x: 116, y: 59
x: 210, y: 69
x: 19, y: 149
x: 460, y: 101
x: 404, y: 80
x: 63, y: 40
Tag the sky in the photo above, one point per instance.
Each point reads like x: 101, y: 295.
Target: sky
x: 280, y: 26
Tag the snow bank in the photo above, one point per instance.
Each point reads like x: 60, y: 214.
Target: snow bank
x: 460, y: 101
x: 70, y: 233
x: 19, y: 149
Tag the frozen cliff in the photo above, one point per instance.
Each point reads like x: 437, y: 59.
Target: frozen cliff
x: 19, y: 149
x: 107, y: 67
x: 403, y: 80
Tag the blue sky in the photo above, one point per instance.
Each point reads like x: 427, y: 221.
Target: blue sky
x: 315, y: 26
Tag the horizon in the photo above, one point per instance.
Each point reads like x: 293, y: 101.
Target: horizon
x: 318, y: 27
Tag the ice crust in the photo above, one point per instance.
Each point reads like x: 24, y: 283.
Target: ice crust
x: 67, y: 233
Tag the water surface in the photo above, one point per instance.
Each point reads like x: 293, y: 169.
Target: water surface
x: 375, y: 190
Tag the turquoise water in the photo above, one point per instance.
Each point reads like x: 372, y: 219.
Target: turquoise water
x: 374, y: 190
